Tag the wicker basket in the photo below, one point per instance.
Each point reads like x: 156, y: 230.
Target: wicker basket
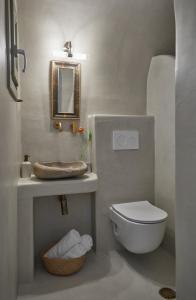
x: 63, y: 267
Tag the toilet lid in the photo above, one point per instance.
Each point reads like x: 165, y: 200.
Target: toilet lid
x: 140, y: 212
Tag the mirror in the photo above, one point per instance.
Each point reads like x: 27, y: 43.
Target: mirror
x: 66, y: 79
x: 65, y: 90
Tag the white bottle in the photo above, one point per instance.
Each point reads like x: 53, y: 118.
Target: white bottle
x: 26, y: 167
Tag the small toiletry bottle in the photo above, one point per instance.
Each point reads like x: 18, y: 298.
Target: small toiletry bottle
x: 26, y: 167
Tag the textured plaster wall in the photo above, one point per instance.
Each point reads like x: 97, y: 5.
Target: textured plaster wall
x: 161, y: 104
x: 9, y: 131
x: 186, y: 149
x: 119, y: 37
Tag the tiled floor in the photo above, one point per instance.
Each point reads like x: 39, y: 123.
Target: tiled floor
x: 117, y: 276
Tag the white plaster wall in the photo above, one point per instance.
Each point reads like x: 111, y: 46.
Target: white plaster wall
x: 124, y: 176
x: 186, y: 149
x: 161, y: 104
x: 119, y: 37
x: 9, y: 132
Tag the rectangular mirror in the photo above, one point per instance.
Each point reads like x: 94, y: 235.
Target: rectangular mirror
x: 66, y: 81
x: 65, y: 90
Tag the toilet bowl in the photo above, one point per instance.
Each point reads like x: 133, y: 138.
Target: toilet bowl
x: 138, y: 226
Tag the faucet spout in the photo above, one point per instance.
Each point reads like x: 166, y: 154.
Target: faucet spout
x: 64, y: 205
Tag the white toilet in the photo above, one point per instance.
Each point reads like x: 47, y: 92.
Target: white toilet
x: 138, y: 226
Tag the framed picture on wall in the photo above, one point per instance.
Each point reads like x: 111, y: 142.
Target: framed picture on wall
x: 13, y: 80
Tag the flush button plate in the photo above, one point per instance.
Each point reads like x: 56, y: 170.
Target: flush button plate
x: 125, y: 140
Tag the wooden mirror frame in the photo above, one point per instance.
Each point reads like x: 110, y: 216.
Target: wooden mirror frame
x: 54, y: 69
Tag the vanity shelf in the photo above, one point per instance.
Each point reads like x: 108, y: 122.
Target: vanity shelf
x: 28, y: 189
x: 38, y: 188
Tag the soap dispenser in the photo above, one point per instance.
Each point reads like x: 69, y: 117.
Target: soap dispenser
x: 26, y: 167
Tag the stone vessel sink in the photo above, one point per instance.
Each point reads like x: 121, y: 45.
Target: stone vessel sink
x: 56, y: 170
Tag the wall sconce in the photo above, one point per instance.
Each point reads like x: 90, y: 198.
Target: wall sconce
x: 66, y: 52
x: 67, y: 48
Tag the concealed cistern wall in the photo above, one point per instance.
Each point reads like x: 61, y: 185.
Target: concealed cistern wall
x: 124, y: 175
x: 161, y: 104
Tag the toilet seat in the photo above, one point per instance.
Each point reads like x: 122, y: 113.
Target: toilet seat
x: 140, y: 212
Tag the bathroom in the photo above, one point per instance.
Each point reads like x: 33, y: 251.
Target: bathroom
x: 136, y: 70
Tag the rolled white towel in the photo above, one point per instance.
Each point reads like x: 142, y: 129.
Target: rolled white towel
x: 80, y: 249
x: 87, y: 241
x: 76, y: 251
x: 71, y: 239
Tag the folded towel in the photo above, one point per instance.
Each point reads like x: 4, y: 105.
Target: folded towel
x: 71, y: 239
x: 80, y: 249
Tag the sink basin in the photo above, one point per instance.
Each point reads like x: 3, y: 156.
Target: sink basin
x: 56, y: 170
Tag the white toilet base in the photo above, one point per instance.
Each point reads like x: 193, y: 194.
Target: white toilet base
x: 137, y: 237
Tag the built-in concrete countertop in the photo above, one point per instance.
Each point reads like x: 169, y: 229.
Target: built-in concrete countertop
x: 37, y: 188
x: 28, y: 189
